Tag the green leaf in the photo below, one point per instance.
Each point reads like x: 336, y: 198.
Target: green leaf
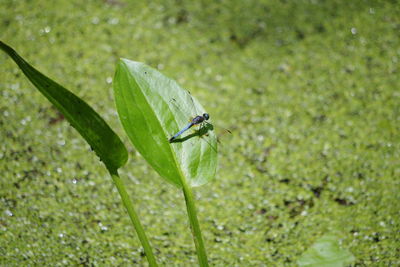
x: 326, y: 252
x: 152, y: 108
x: 82, y: 117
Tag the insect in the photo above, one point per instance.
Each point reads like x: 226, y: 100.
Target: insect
x: 186, y: 107
x: 196, y: 121
x: 188, y: 104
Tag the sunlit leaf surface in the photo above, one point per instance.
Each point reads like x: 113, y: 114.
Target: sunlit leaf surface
x: 153, y: 108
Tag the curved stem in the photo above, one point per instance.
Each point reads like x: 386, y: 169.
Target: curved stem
x: 134, y: 218
x: 194, y: 224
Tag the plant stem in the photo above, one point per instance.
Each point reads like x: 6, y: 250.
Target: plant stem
x: 194, y: 225
x: 134, y: 218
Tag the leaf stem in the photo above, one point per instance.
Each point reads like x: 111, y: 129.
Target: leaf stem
x: 134, y: 218
x: 194, y: 224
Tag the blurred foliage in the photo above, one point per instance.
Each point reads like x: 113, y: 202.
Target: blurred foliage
x: 309, y: 89
x: 326, y: 251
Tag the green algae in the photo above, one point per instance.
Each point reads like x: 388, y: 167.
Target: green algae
x: 309, y: 90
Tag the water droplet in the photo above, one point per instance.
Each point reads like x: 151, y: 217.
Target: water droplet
x: 74, y: 181
x: 61, y: 142
x: 95, y: 20
x: 113, y: 21
x: 171, y: 20
x: 350, y: 189
x: 8, y: 213
x: 218, y: 240
x: 45, y: 30
x: 353, y: 30
x: 158, y: 25
x: 109, y: 80
x: 14, y: 86
x: 103, y: 228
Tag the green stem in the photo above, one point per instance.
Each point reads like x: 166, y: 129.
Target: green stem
x: 195, y: 226
x: 134, y: 218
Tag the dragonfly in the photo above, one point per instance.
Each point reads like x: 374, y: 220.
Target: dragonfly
x: 198, y: 120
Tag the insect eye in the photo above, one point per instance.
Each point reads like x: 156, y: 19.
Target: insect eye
x: 206, y: 116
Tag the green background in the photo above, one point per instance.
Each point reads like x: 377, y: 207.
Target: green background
x: 310, y: 90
